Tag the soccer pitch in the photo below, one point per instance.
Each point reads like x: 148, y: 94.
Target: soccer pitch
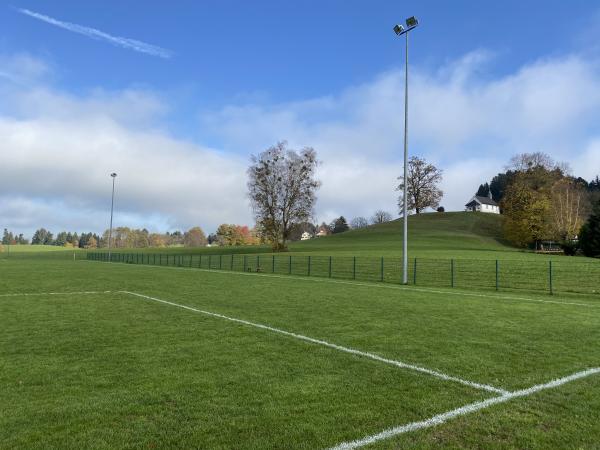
x: 130, y: 356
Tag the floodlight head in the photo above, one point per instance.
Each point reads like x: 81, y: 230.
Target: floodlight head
x: 412, y: 22
x: 113, y: 174
x: 398, y: 29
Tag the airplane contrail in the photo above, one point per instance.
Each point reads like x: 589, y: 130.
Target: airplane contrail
x: 93, y: 33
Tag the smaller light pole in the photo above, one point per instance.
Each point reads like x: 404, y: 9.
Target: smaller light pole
x: 112, y: 203
x: 411, y: 23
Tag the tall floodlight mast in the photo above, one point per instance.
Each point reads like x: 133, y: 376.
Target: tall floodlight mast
x: 411, y: 24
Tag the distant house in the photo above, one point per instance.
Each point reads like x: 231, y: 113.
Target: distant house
x: 305, y: 236
x: 323, y: 231
x: 483, y: 204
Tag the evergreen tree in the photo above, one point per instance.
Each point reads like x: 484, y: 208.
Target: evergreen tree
x: 6, y: 238
x: 41, y: 237
x: 61, y: 239
x: 339, y: 225
x: 589, y: 238
x: 484, y: 190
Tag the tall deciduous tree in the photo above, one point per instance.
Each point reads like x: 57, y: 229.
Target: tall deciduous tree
x: 422, y: 182
x: 194, y: 237
x: 282, y: 189
x: 527, y: 205
x: 569, y: 209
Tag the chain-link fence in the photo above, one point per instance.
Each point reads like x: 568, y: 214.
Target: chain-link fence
x: 563, y: 275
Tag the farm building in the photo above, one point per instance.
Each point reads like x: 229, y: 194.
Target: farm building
x: 483, y: 204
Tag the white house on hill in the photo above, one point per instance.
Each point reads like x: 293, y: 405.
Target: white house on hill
x: 483, y: 204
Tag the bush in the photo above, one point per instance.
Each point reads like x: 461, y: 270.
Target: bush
x: 569, y: 248
x: 441, y: 209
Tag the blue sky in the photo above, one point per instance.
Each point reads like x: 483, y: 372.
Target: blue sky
x: 488, y: 79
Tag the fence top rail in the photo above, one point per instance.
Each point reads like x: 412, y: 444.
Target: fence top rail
x: 545, y: 261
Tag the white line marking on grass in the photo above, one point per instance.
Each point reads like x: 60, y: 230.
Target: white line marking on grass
x: 28, y: 294
x: 358, y: 283
x: 372, y: 356
x: 463, y: 410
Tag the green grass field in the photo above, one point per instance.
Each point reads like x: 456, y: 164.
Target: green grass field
x: 164, y: 357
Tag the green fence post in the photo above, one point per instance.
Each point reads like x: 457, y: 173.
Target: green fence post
x: 209, y: 262
x: 381, y: 278
x: 290, y: 271
x: 354, y: 267
x: 309, y: 266
x: 273, y: 265
x: 220, y: 261
x: 452, y: 273
x: 415, y: 272
x: 330, y: 267
x: 232, y: 262
x: 550, y: 276
x: 497, y: 275
x: 258, y: 263
x: 245, y: 262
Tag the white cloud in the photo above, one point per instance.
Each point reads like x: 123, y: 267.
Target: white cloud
x: 58, y: 151
x: 466, y: 123
x: 58, y: 148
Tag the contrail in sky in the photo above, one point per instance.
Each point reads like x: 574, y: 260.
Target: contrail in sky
x: 131, y: 44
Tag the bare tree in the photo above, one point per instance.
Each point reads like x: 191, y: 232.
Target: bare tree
x: 525, y: 161
x: 359, y: 222
x: 281, y: 187
x: 381, y: 216
x: 422, y: 186
x: 569, y: 209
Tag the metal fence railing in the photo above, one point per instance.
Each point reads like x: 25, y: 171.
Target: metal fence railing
x: 551, y: 276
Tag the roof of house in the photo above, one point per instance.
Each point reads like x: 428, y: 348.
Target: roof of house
x: 482, y: 200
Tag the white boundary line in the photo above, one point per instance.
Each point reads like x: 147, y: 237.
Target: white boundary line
x: 301, y: 337
x: 358, y: 283
x: 29, y: 294
x: 463, y: 410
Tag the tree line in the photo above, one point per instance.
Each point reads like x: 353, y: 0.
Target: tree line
x: 542, y: 201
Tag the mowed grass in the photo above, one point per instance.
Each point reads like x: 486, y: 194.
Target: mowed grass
x: 113, y: 370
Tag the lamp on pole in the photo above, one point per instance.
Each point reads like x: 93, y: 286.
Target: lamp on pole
x: 112, y: 203
x: 411, y: 23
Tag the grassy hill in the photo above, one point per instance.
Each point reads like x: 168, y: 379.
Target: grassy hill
x: 461, y: 235
x: 451, y: 235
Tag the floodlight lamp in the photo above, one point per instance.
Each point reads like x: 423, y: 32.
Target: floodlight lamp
x: 398, y: 29
x: 113, y: 174
x: 412, y: 22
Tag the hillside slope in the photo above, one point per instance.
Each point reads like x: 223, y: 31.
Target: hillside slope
x: 455, y: 234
